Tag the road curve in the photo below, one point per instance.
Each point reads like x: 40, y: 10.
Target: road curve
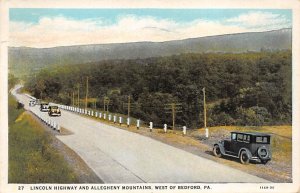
x: 119, y: 156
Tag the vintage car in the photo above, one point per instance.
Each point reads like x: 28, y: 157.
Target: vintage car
x: 54, y: 111
x: 246, y: 146
x: 32, y: 103
x: 44, y: 107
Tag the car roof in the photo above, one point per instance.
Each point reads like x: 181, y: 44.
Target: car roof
x: 252, y: 133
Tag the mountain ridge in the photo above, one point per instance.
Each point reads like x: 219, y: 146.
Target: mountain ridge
x: 24, y: 59
x: 26, y: 47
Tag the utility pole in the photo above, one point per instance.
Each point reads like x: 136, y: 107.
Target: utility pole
x: 173, y: 114
x: 128, y: 106
x: 73, y: 98
x: 87, y: 90
x: 204, y: 107
x: 78, y: 96
x: 106, y: 102
x: 173, y: 108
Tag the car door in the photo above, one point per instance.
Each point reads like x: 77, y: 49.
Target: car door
x: 238, y: 143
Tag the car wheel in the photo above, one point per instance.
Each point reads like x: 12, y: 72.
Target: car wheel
x: 244, y: 158
x: 217, y: 151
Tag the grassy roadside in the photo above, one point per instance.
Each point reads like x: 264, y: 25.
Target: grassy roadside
x: 279, y: 169
x: 32, y: 159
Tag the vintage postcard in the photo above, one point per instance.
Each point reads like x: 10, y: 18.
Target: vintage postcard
x: 136, y: 96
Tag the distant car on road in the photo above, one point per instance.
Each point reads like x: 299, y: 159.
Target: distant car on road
x: 246, y: 146
x: 44, y: 107
x: 54, y: 111
x: 32, y: 103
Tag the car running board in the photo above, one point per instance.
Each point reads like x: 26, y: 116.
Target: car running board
x: 231, y: 155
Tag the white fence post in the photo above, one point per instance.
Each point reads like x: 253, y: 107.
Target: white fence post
x: 109, y: 117
x: 120, y: 120
x: 128, y: 122
x: 104, y: 116
x: 96, y: 114
x: 100, y: 115
x: 151, y: 126
x: 58, y: 128
x: 92, y: 113
x: 165, y: 128
x: 138, y: 124
x: 184, y: 130
x: 115, y: 118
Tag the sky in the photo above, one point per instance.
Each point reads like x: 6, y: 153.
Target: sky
x: 43, y: 28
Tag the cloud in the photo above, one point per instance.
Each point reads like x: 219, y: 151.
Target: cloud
x: 62, y: 31
x: 260, y: 20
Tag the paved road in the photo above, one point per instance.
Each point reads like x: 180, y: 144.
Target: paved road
x: 119, y: 156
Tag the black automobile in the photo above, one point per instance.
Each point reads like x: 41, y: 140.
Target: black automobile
x: 54, y: 111
x: 246, y: 146
x: 44, y: 107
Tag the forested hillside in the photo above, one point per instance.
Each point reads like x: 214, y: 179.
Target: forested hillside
x: 253, y: 88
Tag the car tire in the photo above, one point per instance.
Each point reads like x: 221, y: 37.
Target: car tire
x: 217, y: 151
x: 244, y: 158
x: 263, y: 153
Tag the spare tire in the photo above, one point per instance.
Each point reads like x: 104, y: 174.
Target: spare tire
x: 263, y: 153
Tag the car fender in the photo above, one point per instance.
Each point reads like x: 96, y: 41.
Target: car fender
x: 247, y: 151
x: 221, y: 147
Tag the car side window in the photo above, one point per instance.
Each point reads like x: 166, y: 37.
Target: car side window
x: 247, y: 138
x: 260, y: 139
x: 240, y: 137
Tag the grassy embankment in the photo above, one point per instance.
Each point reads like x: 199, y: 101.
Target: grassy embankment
x: 32, y: 159
x: 279, y: 169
